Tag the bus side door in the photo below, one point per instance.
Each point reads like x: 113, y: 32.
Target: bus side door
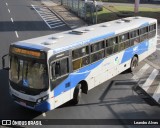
x: 60, y: 80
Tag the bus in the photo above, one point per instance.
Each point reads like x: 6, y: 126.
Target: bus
x: 48, y: 71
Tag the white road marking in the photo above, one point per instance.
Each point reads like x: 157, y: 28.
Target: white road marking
x: 9, y: 11
x: 16, y: 34
x: 141, y: 72
x: 58, y: 26
x: 45, y: 16
x: 156, y: 94
x: 49, y: 17
x: 55, y: 23
x: 12, y: 19
x: 6, y: 4
x: 44, y: 114
x: 150, y: 79
x: 50, y: 21
x: 42, y: 18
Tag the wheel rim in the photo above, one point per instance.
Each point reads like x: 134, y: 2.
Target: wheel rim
x: 79, y: 93
x: 134, y: 64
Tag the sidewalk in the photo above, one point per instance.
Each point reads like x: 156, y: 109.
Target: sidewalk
x: 69, y: 18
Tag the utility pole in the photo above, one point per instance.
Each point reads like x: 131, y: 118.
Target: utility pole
x: 95, y: 10
x: 136, y: 6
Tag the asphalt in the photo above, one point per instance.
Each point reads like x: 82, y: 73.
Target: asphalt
x: 28, y: 24
x: 63, y: 13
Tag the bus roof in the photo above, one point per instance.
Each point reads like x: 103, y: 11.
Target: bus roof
x: 81, y: 36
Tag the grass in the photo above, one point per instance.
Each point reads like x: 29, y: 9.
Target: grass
x: 120, y: 1
x: 107, y: 15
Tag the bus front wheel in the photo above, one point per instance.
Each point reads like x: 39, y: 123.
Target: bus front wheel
x: 134, y: 63
x: 77, y: 94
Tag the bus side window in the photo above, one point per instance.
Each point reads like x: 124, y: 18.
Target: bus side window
x: 111, y: 46
x: 64, y: 66
x: 97, y: 46
x: 134, y: 35
x: 80, y: 52
x: 111, y: 41
x: 143, y: 34
x: 123, y: 37
x: 152, y: 31
x: 97, y: 51
x: 80, y: 57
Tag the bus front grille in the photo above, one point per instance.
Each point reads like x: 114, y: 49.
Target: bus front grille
x: 28, y: 103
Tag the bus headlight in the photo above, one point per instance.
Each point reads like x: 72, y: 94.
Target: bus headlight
x: 45, y: 98
x: 42, y: 99
x: 39, y: 100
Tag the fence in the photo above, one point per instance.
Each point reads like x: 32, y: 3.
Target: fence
x: 76, y: 6
x: 81, y: 8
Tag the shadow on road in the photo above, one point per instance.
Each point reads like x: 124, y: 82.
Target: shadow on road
x: 104, y: 100
x: 9, y: 109
x: 27, y: 26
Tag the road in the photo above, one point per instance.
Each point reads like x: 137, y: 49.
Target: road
x: 113, y: 99
x: 20, y: 21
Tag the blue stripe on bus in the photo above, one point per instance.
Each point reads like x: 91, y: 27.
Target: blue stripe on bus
x: 138, y: 49
x: 84, y: 42
x: 102, y: 37
x: 75, y: 78
x: 144, y: 25
x: 30, y: 46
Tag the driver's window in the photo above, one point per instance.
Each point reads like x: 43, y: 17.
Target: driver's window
x: 60, y: 68
x: 57, y: 69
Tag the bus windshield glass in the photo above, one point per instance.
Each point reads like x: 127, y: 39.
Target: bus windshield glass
x: 28, y: 73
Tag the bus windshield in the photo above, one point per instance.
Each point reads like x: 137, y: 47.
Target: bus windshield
x: 27, y: 73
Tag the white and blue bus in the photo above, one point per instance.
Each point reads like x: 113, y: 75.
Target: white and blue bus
x: 48, y: 71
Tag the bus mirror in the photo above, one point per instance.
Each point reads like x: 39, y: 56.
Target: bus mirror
x: 5, y: 61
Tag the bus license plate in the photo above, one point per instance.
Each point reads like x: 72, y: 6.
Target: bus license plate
x: 23, y: 103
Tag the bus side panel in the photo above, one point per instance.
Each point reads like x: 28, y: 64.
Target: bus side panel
x: 151, y: 48
x: 106, y: 70
x: 118, y: 63
x: 62, y: 98
x: 102, y: 70
x: 137, y: 49
x: 62, y: 93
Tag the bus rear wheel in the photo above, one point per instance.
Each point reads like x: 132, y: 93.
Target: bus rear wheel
x: 77, y: 94
x: 134, y: 63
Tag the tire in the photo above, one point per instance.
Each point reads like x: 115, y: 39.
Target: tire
x: 77, y: 94
x: 134, y: 64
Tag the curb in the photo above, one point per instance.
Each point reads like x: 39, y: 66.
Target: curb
x: 61, y: 18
